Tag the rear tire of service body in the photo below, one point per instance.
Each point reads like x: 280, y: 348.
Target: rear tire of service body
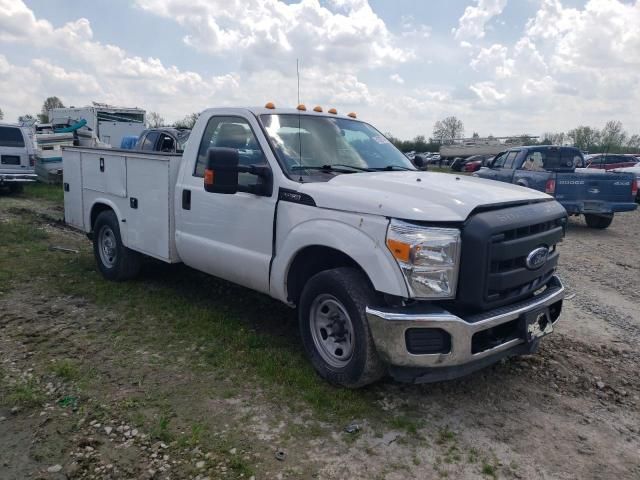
x: 115, y: 261
x: 598, y: 221
x: 334, y: 328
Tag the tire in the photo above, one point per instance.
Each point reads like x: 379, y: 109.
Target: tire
x: 115, y: 261
x: 598, y: 221
x: 339, y: 295
x: 16, y: 188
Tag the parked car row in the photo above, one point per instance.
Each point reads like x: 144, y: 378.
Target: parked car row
x: 559, y: 171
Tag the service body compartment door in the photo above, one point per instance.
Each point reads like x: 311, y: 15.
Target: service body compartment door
x: 148, y: 213
x: 72, y: 186
x: 105, y: 173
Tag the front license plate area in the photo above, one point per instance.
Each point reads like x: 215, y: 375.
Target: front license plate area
x: 537, y: 324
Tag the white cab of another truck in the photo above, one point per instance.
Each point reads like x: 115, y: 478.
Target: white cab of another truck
x: 423, y: 276
x: 17, y: 156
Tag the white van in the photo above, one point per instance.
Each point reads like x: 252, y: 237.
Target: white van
x: 17, y: 157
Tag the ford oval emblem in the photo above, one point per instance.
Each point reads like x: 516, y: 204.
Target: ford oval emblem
x: 537, y: 258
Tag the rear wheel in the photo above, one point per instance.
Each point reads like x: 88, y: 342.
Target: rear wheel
x: 598, y: 221
x: 115, y: 261
x: 334, y: 328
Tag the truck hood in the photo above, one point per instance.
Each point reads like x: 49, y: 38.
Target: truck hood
x: 421, y: 196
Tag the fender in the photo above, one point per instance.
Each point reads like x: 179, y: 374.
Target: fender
x: 361, y: 237
x: 121, y: 219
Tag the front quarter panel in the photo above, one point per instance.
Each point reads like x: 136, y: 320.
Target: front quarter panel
x: 362, y: 237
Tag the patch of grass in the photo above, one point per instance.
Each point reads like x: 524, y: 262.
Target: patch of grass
x: 241, y: 467
x: 194, y: 437
x: 410, y: 425
x: 241, y: 331
x: 445, y: 436
x: 472, y: 456
x: 20, y: 232
x: 27, y: 395
x: 489, y: 470
x: 160, y: 430
x: 65, y: 369
x: 53, y: 193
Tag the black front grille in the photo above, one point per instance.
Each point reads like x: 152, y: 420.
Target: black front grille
x: 495, y: 246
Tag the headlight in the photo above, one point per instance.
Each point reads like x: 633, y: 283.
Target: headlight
x: 428, y: 257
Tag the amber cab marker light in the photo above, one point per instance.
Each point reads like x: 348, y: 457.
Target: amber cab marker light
x: 399, y: 250
x: 333, y: 111
x: 318, y: 109
x: 302, y: 108
x: 209, y: 176
x: 270, y: 105
x: 352, y: 115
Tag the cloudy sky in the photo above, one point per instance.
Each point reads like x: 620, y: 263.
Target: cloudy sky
x: 502, y: 66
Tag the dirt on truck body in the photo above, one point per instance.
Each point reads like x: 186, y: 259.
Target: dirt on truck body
x: 165, y: 377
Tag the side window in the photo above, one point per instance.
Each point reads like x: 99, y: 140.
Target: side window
x: 166, y: 144
x: 231, y: 132
x: 534, y: 162
x: 149, y: 141
x: 571, y: 159
x: 11, y: 137
x: 499, y: 162
x: 508, y: 163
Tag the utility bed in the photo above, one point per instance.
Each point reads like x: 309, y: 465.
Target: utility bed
x: 138, y: 185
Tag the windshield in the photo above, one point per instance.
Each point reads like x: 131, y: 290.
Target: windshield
x: 312, y: 145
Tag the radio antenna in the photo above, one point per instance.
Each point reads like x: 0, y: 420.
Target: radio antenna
x: 299, y: 120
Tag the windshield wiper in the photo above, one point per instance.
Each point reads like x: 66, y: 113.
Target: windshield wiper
x: 391, y: 167
x: 332, y: 168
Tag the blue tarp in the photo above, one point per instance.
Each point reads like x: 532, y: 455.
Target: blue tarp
x: 128, y: 142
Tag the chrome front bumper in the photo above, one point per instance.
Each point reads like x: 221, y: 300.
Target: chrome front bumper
x: 389, y: 327
x: 17, y: 177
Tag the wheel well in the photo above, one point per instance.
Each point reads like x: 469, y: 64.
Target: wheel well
x: 96, y: 210
x: 312, y: 260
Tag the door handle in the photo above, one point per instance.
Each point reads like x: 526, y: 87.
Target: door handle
x: 186, y: 199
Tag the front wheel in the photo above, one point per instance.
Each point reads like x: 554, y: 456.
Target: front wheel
x: 598, y: 221
x: 115, y: 261
x: 334, y: 328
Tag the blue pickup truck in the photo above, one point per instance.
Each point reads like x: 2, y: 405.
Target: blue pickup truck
x: 559, y: 172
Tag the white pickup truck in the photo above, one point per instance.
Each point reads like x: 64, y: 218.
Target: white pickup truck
x: 424, y: 276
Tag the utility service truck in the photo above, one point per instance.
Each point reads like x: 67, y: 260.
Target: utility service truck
x: 424, y: 276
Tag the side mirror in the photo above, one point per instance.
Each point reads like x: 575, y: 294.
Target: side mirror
x: 419, y: 161
x: 221, y: 174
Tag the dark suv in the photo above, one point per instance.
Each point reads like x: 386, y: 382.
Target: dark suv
x: 166, y: 139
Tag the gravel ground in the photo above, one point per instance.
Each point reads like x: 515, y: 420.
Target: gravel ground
x: 570, y: 412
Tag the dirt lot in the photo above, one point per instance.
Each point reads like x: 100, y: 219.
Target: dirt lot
x: 177, y: 375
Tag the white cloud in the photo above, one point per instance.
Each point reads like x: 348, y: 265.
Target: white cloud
x: 272, y: 33
x: 396, y: 78
x: 487, y: 93
x: 494, y: 58
x: 473, y: 21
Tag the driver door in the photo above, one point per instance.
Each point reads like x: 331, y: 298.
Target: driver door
x: 229, y: 236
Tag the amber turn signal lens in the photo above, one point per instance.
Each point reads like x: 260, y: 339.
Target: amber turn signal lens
x: 209, y: 176
x: 352, y: 114
x: 399, y: 250
x: 318, y: 109
x: 332, y: 110
x: 302, y: 108
x: 270, y: 106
